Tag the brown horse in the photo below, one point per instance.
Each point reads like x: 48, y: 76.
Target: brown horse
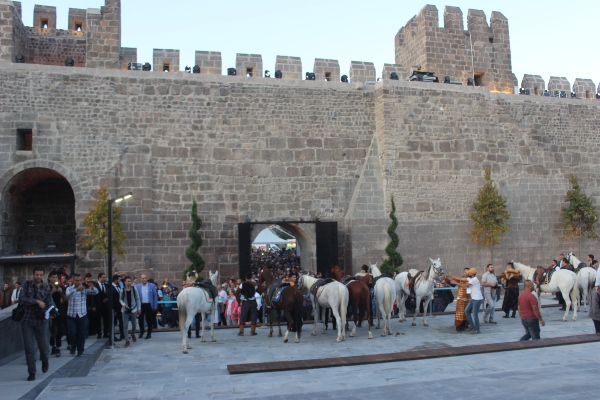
x: 290, y: 302
x: 360, y: 299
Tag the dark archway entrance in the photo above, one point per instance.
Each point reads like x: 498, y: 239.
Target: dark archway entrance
x: 324, y: 245
x: 38, y: 215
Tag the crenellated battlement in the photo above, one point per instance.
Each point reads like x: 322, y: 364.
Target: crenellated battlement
x: 479, y: 55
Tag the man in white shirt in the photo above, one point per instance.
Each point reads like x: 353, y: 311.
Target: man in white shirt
x: 489, y: 283
x: 15, y: 294
x: 474, y: 289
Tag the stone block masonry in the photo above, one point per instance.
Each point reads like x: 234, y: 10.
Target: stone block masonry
x: 272, y: 149
x: 209, y: 62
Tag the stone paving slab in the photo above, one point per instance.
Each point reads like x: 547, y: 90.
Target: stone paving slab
x: 156, y: 368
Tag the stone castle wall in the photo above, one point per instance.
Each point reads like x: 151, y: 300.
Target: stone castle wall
x: 268, y: 150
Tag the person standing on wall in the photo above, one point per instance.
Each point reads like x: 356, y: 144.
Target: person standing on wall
x: 149, y: 298
x: 77, y: 315
x: 35, y: 297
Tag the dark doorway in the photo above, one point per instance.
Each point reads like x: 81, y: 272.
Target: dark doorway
x: 326, y: 244
x: 38, y: 211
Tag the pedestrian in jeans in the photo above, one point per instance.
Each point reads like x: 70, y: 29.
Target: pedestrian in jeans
x: 35, y: 298
x: 130, y: 300
x: 530, y: 313
x: 77, y: 314
x: 471, y: 283
x: 489, y: 283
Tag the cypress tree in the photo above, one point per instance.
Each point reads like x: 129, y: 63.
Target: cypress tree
x: 394, y: 259
x: 191, y: 252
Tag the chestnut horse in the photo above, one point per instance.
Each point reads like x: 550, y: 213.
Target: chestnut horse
x: 360, y: 299
x: 291, y: 302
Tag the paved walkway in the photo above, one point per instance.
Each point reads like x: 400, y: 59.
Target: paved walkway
x: 156, y: 368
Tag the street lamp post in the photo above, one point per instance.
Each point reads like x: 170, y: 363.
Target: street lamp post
x: 110, y: 286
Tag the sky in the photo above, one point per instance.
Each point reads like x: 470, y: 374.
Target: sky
x: 548, y: 38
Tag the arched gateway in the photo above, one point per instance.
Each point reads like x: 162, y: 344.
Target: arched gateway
x: 38, y: 222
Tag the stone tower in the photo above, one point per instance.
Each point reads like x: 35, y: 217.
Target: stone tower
x: 482, y: 52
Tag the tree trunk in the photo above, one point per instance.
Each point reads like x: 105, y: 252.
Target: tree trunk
x: 492, y: 251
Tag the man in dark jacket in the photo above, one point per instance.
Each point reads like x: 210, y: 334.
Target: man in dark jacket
x: 36, y: 299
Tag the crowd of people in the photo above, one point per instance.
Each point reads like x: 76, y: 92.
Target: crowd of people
x: 72, y: 307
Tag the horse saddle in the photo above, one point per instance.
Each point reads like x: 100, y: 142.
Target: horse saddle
x: 580, y: 267
x: 277, y: 296
x: 319, y: 283
x: 347, y: 279
x: 376, y: 279
x: 210, y: 288
x: 543, y: 276
x: 411, y: 282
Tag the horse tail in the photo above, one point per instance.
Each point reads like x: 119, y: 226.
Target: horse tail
x: 387, y: 296
x: 344, y: 304
x: 181, y: 306
x: 575, y: 293
x: 298, y: 307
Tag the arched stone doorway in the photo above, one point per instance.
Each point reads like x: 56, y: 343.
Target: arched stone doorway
x: 305, y: 235
x: 38, y: 214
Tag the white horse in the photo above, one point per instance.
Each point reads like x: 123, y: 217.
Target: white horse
x: 334, y: 295
x: 586, y: 280
x: 193, y: 300
x: 423, y: 288
x: 563, y: 280
x: 385, y: 296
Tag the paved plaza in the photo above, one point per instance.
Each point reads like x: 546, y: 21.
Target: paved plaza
x: 156, y: 368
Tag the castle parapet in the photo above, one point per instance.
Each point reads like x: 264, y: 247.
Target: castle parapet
x: 362, y: 72
x: 326, y: 70
x: 250, y: 65
x: 535, y: 84
x: 128, y: 55
x: 210, y: 62
x: 290, y: 67
x: 165, y: 60
x: 77, y: 20
x: 584, y: 89
x: 44, y: 19
x: 558, y: 83
x: 388, y: 69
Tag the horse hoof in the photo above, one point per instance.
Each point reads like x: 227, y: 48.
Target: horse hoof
x: 280, y: 335
x: 185, y: 352
x: 313, y: 334
x: 370, y: 335
x: 214, y: 340
x: 414, y: 324
x: 383, y: 334
x: 189, y: 347
x: 297, y: 340
x: 270, y: 334
x: 338, y: 340
x: 285, y: 340
x: 202, y: 340
x: 352, y: 335
x: 425, y: 324
x: 574, y: 319
x: 564, y: 320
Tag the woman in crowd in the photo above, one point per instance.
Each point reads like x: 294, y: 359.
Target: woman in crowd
x: 130, y: 300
